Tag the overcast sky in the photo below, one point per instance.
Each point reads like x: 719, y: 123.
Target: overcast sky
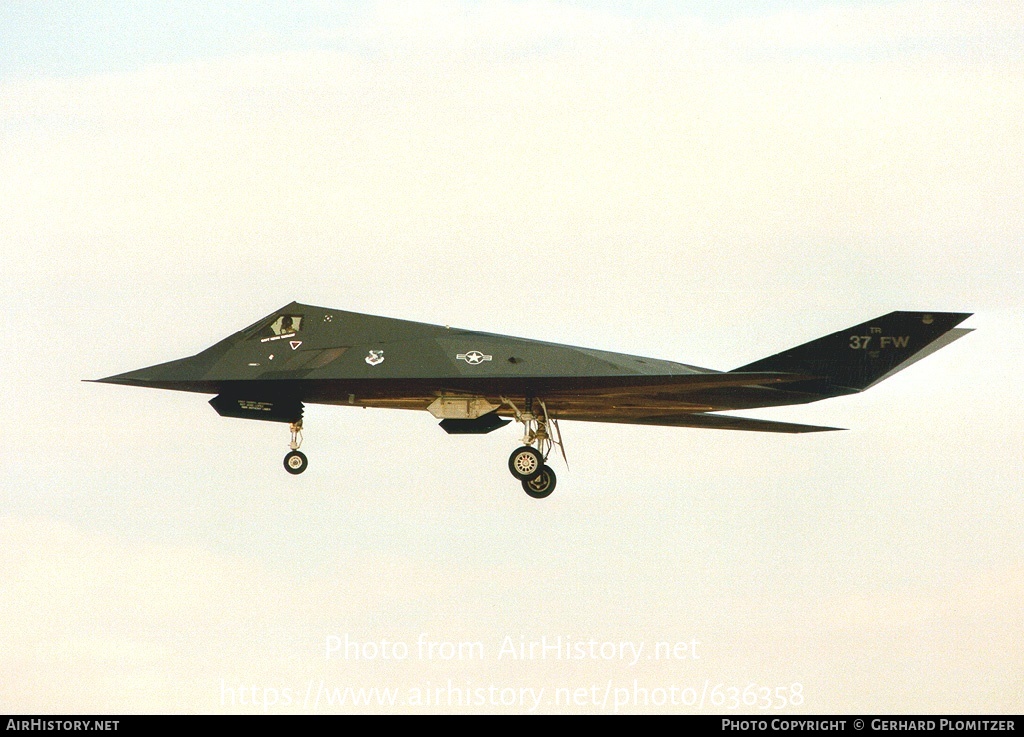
x: 706, y: 183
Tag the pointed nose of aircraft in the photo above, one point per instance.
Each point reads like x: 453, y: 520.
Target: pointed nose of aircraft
x: 184, y: 374
x: 139, y: 377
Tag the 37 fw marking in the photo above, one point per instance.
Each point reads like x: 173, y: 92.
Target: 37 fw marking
x: 861, y: 342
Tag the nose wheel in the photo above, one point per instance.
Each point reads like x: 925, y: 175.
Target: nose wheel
x: 295, y: 462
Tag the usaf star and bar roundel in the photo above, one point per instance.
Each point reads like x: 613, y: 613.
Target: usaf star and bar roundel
x: 473, y: 358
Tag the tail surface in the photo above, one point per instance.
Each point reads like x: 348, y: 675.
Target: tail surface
x: 859, y: 357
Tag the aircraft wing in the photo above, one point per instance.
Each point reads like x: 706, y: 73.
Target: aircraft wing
x: 681, y: 401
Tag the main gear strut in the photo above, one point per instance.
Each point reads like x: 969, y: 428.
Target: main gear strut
x: 528, y: 463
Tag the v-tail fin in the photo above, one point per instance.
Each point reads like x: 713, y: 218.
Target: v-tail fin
x: 854, y: 359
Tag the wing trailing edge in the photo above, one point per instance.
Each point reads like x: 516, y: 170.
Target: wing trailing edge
x: 712, y: 421
x: 728, y: 422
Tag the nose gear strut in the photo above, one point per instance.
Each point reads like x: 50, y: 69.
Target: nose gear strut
x: 295, y: 462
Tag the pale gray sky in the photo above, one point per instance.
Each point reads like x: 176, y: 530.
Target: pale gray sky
x: 703, y: 186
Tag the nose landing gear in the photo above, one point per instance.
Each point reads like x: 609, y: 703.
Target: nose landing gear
x: 295, y: 462
x: 528, y: 464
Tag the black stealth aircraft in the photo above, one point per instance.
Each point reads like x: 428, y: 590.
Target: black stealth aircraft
x: 473, y: 382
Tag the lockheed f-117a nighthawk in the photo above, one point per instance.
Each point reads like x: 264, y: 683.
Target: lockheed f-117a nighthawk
x: 477, y: 382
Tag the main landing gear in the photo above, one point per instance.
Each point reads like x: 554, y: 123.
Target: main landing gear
x: 528, y: 463
x: 295, y: 462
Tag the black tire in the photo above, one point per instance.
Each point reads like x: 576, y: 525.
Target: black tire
x: 542, y: 485
x: 525, y: 463
x: 295, y: 462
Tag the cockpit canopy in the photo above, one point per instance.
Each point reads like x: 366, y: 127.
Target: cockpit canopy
x: 282, y: 326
